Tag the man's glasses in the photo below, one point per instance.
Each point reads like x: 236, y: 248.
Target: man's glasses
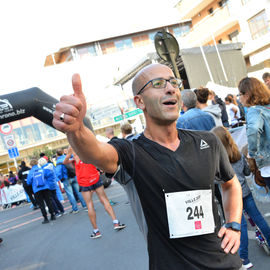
x: 162, y: 83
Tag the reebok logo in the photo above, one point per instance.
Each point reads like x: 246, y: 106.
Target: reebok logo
x: 204, y: 145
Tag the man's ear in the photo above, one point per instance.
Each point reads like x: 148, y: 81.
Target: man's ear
x: 139, y: 102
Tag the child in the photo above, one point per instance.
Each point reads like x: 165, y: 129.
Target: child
x: 241, y: 169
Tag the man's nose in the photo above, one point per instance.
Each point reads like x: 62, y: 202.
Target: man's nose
x: 169, y: 88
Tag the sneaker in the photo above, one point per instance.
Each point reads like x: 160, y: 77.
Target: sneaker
x: 95, y: 235
x: 112, y: 202
x: 58, y: 215
x: 35, y: 207
x: 63, y: 213
x: 74, y: 211
x: 45, y: 221
x: 53, y: 217
x: 118, y: 226
x: 85, y: 209
x: 247, y: 264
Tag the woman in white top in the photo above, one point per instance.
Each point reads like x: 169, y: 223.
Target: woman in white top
x: 232, y: 110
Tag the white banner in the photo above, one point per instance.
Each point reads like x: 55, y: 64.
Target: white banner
x: 12, y: 194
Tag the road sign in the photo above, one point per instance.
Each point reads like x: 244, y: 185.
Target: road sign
x: 6, y: 128
x: 10, y: 141
x: 127, y: 115
x: 118, y: 118
x: 13, y: 152
x: 133, y: 113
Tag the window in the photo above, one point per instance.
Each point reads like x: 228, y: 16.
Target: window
x: 181, y: 30
x: 210, y: 10
x: 259, y: 25
x: 234, y: 36
x: 152, y: 36
x: 123, y: 44
x: 141, y: 40
x: 108, y: 47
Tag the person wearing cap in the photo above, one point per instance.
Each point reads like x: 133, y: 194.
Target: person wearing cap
x: 41, y: 190
x: 173, y: 171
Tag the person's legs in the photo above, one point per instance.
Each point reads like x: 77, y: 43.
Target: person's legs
x: 250, y: 206
x: 41, y: 204
x: 29, y: 192
x: 70, y: 196
x: 54, y: 205
x: 57, y: 202
x: 105, y: 201
x: 47, y: 198
x: 87, y: 195
x: 75, y: 186
x: 243, y: 250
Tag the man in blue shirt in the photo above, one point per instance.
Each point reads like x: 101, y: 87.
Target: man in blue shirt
x: 193, y: 118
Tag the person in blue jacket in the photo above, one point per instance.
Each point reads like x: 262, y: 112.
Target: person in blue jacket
x: 51, y: 179
x: 40, y: 189
x: 69, y: 182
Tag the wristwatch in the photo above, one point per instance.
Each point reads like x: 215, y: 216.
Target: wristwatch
x: 234, y: 226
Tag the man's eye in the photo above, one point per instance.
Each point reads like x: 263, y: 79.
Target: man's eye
x: 157, y: 83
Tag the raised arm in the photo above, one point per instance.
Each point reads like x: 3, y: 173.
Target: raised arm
x: 72, y: 109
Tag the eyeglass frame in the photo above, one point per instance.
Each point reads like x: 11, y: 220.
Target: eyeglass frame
x: 167, y: 80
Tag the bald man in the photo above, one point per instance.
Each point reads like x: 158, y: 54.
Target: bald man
x: 173, y: 172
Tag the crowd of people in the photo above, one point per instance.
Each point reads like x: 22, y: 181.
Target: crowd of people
x: 41, y: 182
x: 174, y: 204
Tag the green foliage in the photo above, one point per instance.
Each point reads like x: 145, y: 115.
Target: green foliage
x: 48, y: 152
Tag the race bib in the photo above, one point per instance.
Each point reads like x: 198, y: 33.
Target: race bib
x: 190, y: 213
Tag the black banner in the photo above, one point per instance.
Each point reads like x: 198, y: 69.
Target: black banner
x: 30, y: 102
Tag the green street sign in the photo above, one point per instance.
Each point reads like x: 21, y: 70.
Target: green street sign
x: 133, y: 113
x: 127, y: 115
x: 118, y: 118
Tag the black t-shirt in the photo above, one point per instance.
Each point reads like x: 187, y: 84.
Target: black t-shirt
x: 156, y: 170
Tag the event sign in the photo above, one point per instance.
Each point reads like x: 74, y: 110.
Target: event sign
x: 12, y: 194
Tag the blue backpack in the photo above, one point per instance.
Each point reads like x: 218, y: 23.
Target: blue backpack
x: 38, y: 178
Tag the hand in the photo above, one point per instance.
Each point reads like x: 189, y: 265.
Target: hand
x: 230, y: 241
x: 73, y: 107
x: 70, y: 151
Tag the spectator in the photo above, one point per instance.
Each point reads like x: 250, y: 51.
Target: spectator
x: 214, y: 110
x: 22, y: 174
x: 126, y: 130
x: 62, y: 174
x: 51, y: 179
x: 242, y: 170
x: 193, y: 118
x: 232, y: 110
x: 266, y: 79
x: 255, y: 95
x: 217, y: 100
x: 41, y: 190
x: 12, y: 178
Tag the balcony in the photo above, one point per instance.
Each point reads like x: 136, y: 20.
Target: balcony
x: 214, y: 24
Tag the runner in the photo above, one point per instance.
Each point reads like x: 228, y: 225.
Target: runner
x: 89, y: 181
x: 173, y: 172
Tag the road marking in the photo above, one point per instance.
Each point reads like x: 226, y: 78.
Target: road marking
x: 267, y: 214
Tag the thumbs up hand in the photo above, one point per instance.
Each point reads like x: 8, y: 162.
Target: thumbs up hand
x: 70, y: 111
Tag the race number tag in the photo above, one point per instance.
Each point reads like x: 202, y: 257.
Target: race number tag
x: 190, y: 213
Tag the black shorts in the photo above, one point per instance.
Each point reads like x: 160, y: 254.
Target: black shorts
x: 93, y: 187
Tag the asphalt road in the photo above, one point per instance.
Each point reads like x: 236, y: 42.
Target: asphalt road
x: 66, y: 243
